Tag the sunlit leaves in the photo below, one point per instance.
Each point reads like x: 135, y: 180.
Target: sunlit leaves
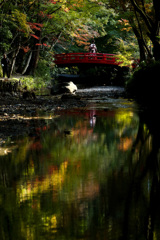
x: 125, y: 55
x: 21, y: 21
x: 124, y: 22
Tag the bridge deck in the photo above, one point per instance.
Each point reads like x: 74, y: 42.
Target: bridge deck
x: 85, y: 58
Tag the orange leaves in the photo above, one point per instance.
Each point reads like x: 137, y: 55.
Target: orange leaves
x: 26, y: 49
x: 124, y: 21
x: 83, y: 35
x: 126, y: 29
x: 44, y: 44
x: 33, y: 35
x: 126, y: 24
x: 36, y: 26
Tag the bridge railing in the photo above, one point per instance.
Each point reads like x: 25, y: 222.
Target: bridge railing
x: 73, y: 58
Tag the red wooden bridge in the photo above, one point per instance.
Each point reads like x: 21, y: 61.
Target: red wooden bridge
x: 70, y: 59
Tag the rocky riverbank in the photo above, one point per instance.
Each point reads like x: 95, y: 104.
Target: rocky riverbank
x: 19, y: 117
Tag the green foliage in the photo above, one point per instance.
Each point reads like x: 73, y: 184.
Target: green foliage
x: 20, y: 19
x: 27, y: 82
x: 33, y: 83
x: 6, y: 36
x: 125, y: 60
x: 127, y: 52
x: 43, y: 70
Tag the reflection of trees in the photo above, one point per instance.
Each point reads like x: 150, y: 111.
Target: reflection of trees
x: 141, y: 215
x: 70, y: 185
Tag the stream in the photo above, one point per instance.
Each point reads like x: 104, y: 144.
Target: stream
x: 90, y: 173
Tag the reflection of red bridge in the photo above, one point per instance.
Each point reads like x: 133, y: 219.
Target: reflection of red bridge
x: 70, y: 59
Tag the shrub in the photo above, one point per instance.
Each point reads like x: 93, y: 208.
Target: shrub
x: 28, y: 82
x: 41, y: 78
x: 33, y: 83
x: 43, y: 71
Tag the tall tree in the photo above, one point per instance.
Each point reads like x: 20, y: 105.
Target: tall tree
x: 151, y: 19
x: 144, y: 18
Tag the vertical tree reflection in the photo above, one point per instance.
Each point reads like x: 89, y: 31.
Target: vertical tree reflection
x: 144, y: 186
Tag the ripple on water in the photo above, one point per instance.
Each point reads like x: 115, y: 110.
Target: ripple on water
x: 102, y: 95
x: 101, y: 89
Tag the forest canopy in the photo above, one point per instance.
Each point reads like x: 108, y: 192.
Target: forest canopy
x: 33, y: 31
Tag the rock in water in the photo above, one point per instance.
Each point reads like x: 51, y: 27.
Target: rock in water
x: 64, y: 87
x: 71, y: 87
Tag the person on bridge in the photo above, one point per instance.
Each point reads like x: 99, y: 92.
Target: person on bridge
x: 92, y: 47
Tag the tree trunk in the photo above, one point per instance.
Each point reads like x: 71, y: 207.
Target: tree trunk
x: 14, y: 60
x: 140, y: 44
x: 152, y: 24
x: 27, y: 64
x: 35, y: 56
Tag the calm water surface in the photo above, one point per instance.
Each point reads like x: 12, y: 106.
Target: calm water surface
x: 90, y: 173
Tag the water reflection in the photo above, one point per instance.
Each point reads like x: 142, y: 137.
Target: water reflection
x: 91, y: 174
